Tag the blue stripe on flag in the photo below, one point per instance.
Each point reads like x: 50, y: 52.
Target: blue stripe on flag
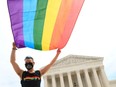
x: 29, y: 11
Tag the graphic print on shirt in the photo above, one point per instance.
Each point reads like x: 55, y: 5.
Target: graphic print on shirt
x: 32, y: 78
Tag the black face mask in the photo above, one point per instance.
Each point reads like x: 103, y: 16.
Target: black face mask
x: 29, y: 66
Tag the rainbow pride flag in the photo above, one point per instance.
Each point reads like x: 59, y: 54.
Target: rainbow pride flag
x: 43, y: 24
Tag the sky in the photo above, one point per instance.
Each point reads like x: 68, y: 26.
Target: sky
x: 93, y: 35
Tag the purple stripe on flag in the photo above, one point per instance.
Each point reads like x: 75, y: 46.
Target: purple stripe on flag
x: 15, y: 12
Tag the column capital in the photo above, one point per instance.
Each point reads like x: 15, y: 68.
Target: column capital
x: 68, y: 72
x: 93, y: 69
x: 77, y: 71
x: 60, y: 73
x: 102, y: 67
x: 45, y: 76
x: 85, y: 70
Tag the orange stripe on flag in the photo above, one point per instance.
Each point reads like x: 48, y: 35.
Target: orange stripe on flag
x: 62, y: 17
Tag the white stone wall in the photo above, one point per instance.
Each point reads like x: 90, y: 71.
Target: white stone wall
x: 113, y: 83
x: 84, y: 71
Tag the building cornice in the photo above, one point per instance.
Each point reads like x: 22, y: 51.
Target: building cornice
x: 75, y: 62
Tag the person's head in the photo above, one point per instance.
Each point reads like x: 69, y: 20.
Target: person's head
x: 29, y: 62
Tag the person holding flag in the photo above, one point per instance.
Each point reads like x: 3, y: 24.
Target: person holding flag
x: 30, y: 77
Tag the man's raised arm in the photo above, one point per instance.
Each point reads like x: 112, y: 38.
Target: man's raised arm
x: 13, y: 61
x: 46, y: 68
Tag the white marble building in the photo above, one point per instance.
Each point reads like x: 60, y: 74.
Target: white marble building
x: 78, y: 71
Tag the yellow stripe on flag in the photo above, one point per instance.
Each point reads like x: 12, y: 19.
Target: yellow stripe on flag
x: 50, y: 19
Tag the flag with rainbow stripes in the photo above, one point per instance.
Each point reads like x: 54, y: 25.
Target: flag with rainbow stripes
x: 43, y: 24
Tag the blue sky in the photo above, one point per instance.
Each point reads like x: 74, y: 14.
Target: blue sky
x: 93, y: 35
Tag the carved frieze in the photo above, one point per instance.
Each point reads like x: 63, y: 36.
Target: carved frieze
x: 71, y: 60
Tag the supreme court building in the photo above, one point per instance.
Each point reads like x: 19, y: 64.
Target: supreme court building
x: 77, y: 71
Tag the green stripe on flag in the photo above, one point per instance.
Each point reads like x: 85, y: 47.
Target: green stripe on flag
x: 39, y: 23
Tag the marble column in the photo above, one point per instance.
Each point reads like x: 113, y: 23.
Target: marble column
x: 53, y: 81
x: 87, y: 78
x: 96, y: 79
x: 104, y: 77
x: 45, y: 81
x: 61, y: 80
x: 70, y: 79
x: 79, y: 79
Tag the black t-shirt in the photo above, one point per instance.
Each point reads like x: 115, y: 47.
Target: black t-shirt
x: 31, y: 79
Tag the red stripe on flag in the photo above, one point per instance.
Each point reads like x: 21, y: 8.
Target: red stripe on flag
x: 75, y: 10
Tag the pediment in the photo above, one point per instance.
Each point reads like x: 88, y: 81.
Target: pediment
x: 75, y: 60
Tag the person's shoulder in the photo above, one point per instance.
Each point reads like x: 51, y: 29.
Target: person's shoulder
x: 24, y: 73
x: 38, y: 71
